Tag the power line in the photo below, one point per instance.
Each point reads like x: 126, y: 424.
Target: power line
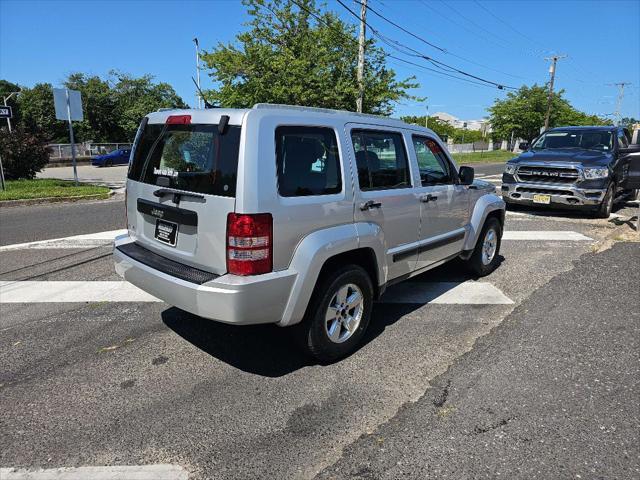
x: 441, y: 49
x: 351, y: 39
x: 398, y: 46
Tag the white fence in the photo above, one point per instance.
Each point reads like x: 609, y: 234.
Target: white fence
x: 63, y: 150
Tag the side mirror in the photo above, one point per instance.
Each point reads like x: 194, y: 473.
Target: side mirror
x: 466, y: 175
x: 523, y: 146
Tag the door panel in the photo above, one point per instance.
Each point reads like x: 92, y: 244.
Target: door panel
x: 444, y: 204
x: 384, y: 194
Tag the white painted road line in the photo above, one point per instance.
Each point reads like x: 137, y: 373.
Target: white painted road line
x: 477, y: 293
x: 538, y: 235
x: 466, y: 293
x: 63, y: 291
x: 76, y: 241
x: 141, y: 472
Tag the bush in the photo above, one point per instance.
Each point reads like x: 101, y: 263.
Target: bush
x: 23, y: 154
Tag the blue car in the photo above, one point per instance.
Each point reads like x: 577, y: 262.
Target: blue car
x: 117, y: 157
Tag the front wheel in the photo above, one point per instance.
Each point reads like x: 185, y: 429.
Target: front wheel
x: 338, y: 314
x: 484, y: 258
x: 604, y: 210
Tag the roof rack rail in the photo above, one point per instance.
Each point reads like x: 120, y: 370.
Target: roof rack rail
x: 267, y: 106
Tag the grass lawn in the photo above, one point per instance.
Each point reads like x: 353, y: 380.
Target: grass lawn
x: 49, y: 187
x: 493, y: 156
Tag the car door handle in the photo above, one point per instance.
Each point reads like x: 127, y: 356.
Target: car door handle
x: 368, y: 205
x: 428, y: 198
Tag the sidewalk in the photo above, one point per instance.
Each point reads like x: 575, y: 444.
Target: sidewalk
x: 112, y: 177
x: 550, y: 393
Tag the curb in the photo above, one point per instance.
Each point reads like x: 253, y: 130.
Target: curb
x: 37, y: 201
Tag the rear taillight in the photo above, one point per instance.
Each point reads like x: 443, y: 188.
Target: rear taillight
x: 249, y: 243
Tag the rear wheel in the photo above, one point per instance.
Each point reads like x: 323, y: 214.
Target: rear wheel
x: 338, y: 314
x: 484, y: 258
x: 108, y: 163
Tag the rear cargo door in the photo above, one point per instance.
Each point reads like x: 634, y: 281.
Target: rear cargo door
x: 181, y: 187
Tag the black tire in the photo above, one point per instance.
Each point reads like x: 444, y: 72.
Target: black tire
x: 312, y: 333
x: 476, y: 263
x: 108, y: 163
x: 604, y: 210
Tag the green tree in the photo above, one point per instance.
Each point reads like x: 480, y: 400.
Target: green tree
x: 523, y: 113
x: 23, y: 153
x: 38, y: 116
x: 288, y: 56
x: 100, y: 122
x: 135, y: 97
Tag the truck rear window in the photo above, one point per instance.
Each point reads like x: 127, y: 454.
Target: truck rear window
x: 194, y: 158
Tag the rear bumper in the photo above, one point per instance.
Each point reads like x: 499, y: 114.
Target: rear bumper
x: 564, y: 195
x: 227, y: 298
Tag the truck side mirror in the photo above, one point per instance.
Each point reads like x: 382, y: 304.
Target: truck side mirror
x: 523, y: 146
x: 466, y: 175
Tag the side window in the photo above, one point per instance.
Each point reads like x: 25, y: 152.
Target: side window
x: 307, y: 161
x: 434, y: 167
x: 623, y: 141
x: 381, y: 160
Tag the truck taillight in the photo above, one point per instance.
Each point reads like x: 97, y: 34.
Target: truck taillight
x: 249, y: 243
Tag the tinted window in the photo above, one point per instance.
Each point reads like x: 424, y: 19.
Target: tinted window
x: 623, y: 142
x: 432, y: 162
x: 307, y: 161
x: 195, y: 158
x: 381, y: 160
x: 586, y: 139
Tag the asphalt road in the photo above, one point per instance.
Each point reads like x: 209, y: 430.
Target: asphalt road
x: 550, y: 393
x: 133, y: 383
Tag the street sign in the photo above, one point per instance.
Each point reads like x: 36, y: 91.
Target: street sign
x: 5, y: 112
x: 68, y: 107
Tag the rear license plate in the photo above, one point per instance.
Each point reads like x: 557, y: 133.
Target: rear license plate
x: 166, y: 232
x: 546, y: 199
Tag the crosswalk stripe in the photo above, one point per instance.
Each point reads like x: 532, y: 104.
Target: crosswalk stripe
x: 456, y: 293
x: 71, y: 291
x: 470, y: 292
x: 75, y: 241
x: 552, y: 235
x: 118, y: 472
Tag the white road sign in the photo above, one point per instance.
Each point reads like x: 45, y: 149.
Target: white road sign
x: 74, y: 104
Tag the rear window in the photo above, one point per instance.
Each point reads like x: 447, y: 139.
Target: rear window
x: 194, y: 158
x: 307, y: 161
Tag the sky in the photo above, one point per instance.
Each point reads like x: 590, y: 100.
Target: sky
x: 505, y: 41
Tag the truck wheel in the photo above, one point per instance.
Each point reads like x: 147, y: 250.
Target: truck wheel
x: 484, y: 258
x: 338, y: 314
x: 604, y: 210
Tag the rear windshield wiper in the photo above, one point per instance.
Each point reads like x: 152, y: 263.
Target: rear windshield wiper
x: 177, y: 194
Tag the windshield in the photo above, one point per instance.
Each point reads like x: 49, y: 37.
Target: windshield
x: 586, y: 139
x: 195, y: 158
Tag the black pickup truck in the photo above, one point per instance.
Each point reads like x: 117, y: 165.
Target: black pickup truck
x: 572, y: 167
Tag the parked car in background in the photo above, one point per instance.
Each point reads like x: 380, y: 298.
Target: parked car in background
x: 116, y: 157
x: 572, y: 167
x: 296, y: 216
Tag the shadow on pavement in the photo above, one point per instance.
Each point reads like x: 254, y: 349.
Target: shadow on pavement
x: 269, y: 350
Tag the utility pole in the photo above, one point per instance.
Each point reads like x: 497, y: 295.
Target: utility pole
x: 552, y: 71
x: 426, y: 119
x: 361, y: 42
x: 620, y: 86
x: 198, y: 97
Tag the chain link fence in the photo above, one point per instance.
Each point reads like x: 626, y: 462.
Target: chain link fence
x: 62, y: 151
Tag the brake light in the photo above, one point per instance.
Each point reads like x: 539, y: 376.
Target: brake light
x: 249, y: 243
x: 178, y: 120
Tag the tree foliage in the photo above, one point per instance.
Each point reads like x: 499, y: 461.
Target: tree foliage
x: 446, y: 130
x: 288, y: 56
x: 523, y: 113
x: 23, y: 153
x: 113, y: 107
